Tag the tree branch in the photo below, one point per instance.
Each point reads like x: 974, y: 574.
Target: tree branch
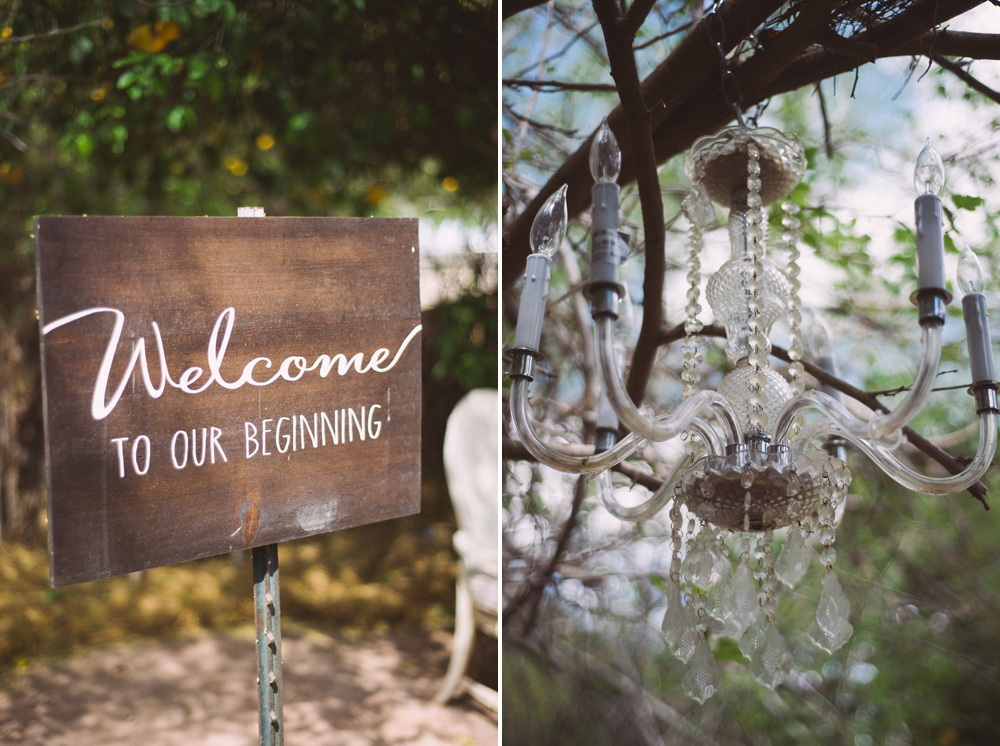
x: 535, y: 590
x: 556, y: 85
x: 693, y: 103
x: 636, y: 16
x: 618, y: 35
x: 954, y: 44
x: 962, y: 74
x: 513, y: 7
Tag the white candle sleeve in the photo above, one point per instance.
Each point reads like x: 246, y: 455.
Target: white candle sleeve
x: 531, y: 314
x: 930, y: 242
x: 605, y: 245
x: 977, y: 332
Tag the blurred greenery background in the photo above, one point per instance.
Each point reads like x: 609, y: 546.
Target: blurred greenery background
x: 304, y: 107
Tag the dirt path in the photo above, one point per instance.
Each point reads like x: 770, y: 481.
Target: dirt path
x: 370, y: 692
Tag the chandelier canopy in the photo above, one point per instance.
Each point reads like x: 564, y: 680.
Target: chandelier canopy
x: 759, y: 465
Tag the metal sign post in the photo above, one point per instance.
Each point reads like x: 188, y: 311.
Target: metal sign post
x: 267, y: 620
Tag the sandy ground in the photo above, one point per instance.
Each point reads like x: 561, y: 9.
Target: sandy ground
x: 369, y: 692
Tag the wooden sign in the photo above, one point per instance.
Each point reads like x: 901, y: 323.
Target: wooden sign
x: 213, y: 384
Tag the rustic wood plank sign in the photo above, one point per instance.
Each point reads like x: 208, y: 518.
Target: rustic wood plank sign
x: 213, y: 384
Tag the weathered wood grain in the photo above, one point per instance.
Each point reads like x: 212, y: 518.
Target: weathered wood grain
x: 299, y: 288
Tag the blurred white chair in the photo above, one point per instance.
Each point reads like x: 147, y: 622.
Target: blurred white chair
x: 472, y: 469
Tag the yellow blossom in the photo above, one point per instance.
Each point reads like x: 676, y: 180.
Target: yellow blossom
x: 265, y: 142
x: 450, y: 184
x: 236, y: 166
x: 6, y: 33
x: 148, y: 38
x: 376, y: 195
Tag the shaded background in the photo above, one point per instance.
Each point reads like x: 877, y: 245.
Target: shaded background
x: 359, y: 108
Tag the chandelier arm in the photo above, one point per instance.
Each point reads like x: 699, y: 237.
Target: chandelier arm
x: 640, y: 512
x: 521, y: 414
x: 881, y: 425
x: 909, y: 478
x: 663, y: 427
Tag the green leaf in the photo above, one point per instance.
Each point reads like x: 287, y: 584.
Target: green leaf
x: 83, y: 145
x: 966, y: 202
x: 728, y: 650
x: 127, y: 78
x: 181, y: 117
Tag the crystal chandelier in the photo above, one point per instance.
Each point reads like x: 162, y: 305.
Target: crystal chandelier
x: 759, y: 464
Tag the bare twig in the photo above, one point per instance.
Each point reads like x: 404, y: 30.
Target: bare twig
x: 556, y: 85
x: 536, y: 590
x: 54, y: 32
x: 827, y: 136
x: 14, y: 140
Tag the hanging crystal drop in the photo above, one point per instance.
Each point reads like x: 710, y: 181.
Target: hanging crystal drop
x: 768, y: 582
x: 753, y: 638
x: 771, y: 662
x: 704, y: 675
x: 707, y: 561
x: 831, y: 628
x: 740, y: 603
x: 699, y: 562
x: 688, y: 639
x: 792, y: 563
x: 673, y: 620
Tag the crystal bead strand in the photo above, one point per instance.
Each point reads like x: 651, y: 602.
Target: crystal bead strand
x: 760, y: 345
x: 768, y: 581
x: 689, y: 634
x: 673, y: 620
x: 692, y: 326
x: 831, y: 628
x: 790, y: 237
x: 770, y: 662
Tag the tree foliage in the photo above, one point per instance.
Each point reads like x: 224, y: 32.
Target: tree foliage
x: 327, y: 106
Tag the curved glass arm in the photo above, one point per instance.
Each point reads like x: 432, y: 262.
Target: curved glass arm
x: 655, y: 503
x: 659, y: 428
x: 881, y: 425
x: 521, y: 414
x: 903, y: 474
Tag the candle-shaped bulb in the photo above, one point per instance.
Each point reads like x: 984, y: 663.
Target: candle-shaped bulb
x: 970, y: 273
x: 605, y: 157
x: 549, y: 227
x: 928, y: 175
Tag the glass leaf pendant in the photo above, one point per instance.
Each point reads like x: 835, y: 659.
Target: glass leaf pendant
x: 704, y: 675
x: 771, y: 663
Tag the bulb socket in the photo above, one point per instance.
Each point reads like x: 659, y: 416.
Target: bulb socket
x: 931, y: 304
x: 985, y: 394
x: 522, y: 363
x: 605, y: 439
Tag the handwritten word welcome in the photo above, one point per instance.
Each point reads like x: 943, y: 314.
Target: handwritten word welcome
x: 292, y: 368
